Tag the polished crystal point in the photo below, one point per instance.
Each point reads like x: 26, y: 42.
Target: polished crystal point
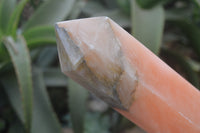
x: 105, y: 59
x: 90, y: 53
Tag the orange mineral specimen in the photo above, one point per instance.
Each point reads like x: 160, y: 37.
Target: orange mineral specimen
x: 101, y: 56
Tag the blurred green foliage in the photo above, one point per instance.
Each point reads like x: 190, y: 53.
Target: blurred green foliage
x: 30, y: 77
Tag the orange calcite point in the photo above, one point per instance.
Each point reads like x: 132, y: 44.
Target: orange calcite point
x: 101, y: 56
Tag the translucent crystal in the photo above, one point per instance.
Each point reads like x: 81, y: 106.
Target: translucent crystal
x: 91, y: 54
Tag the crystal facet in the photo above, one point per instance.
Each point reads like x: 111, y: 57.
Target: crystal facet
x: 96, y: 61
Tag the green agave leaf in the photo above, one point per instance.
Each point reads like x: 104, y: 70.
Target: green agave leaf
x: 44, y: 119
x: 41, y: 41
x: 197, y: 2
x: 6, y: 9
x: 50, y: 12
x: 77, y: 105
x: 147, y: 26
x: 4, y: 56
x: 1, y: 8
x: 191, y: 75
x: 149, y: 3
x: 15, y: 18
x: 20, y: 58
x: 11, y: 88
x: 40, y: 36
